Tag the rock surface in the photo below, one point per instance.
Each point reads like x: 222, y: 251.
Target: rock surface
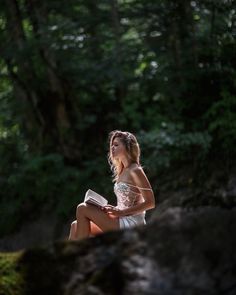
x: 180, y: 252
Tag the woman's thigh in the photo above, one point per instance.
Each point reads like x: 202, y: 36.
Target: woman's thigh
x: 94, y: 229
x: 101, y: 219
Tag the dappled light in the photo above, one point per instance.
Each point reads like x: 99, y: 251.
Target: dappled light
x: 73, y: 71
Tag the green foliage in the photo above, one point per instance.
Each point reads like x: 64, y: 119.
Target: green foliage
x: 170, y: 144
x: 48, y: 180
x: 39, y: 184
x: 11, y: 279
x: 222, y: 121
x: 72, y: 71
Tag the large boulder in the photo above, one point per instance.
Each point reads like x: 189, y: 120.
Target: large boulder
x: 182, y: 189
x: 179, y: 252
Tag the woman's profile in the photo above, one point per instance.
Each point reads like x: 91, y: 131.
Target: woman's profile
x: 132, y: 189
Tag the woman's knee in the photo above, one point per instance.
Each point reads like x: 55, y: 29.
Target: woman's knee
x: 81, y: 209
x: 73, y: 228
x: 74, y: 224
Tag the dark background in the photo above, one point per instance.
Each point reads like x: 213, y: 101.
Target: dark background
x: 72, y: 71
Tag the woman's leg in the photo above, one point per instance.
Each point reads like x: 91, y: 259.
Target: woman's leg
x: 94, y: 230
x: 86, y: 213
x: 73, y: 231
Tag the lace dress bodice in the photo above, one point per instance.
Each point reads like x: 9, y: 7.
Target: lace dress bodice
x: 126, y: 196
x: 129, y: 195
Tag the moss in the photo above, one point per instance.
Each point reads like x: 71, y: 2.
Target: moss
x: 11, y: 279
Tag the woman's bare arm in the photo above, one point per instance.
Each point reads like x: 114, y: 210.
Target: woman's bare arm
x: 140, y: 180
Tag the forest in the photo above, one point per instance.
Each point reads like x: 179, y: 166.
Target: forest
x: 72, y: 71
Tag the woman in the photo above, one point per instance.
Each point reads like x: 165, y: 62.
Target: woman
x: 132, y: 188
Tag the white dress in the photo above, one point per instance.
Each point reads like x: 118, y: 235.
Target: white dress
x: 127, y: 197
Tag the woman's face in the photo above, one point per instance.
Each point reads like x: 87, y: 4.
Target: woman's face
x: 118, y: 148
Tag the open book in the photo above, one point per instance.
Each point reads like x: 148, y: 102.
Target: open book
x: 94, y: 198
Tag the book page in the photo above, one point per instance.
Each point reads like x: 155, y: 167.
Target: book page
x: 95, y: 198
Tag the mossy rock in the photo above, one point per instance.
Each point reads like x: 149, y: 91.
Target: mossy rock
x: 180, y: 252
x: 11, y: 277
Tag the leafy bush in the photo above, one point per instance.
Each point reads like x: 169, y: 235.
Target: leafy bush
x: 168, y: 144
x: 222, y: 122
x: 11, y: 278
x: 41, y: 183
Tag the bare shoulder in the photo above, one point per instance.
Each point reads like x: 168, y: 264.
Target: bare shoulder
x: 139, y: 176
x: 137, y: 171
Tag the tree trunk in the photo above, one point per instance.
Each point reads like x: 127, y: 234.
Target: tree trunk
x: 120, y: 90
x: 49, y: 105
x: 57, y: 94
x: 24, y: 76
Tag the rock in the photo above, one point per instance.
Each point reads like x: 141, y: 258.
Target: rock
x: 185, y: 188
x: 222, y: 196
x: 180, y: 252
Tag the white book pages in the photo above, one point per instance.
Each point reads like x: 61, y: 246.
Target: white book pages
x: 94, y: 198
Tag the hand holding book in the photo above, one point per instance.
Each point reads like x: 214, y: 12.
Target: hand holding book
x: 94, y: 198
x: 111, y: 210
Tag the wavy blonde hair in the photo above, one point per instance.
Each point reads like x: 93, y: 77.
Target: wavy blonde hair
x: 132, y: 147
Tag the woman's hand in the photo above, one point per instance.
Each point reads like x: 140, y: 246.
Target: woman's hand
x: 111, y: 210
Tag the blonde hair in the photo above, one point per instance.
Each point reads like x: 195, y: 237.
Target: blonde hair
x: 132, y: 147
